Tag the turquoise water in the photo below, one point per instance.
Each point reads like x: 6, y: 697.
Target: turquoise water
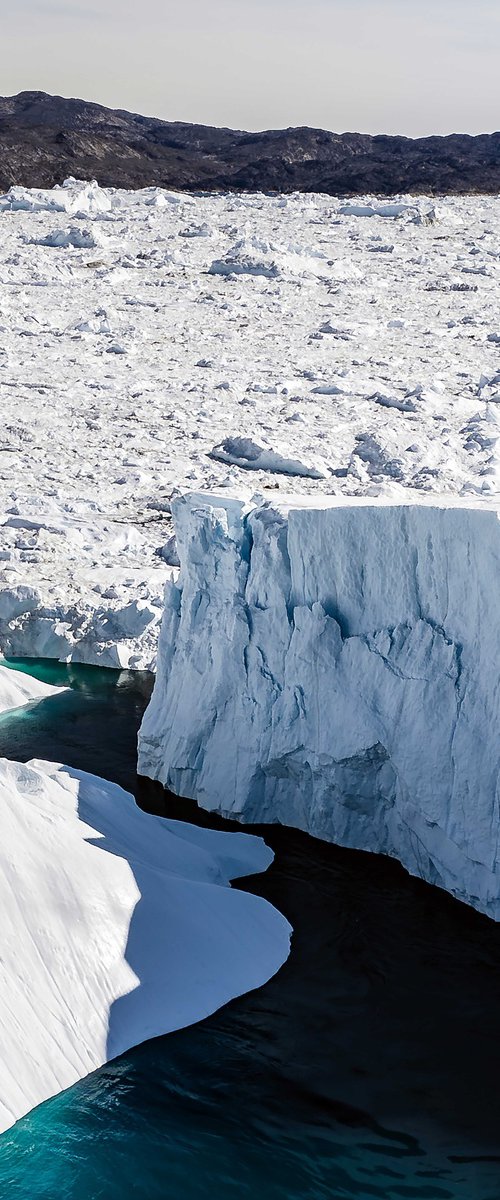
x: 368, y: 1068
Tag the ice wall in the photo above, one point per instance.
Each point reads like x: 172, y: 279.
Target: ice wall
x: 335, y: 667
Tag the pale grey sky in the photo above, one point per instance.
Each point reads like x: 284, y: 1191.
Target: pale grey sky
x: 391, y: 66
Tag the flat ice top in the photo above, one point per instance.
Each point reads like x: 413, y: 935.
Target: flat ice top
x: 288, y: 503
x: 153, y: 342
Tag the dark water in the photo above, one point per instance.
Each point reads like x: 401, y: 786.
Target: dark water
x: 369, y: 1067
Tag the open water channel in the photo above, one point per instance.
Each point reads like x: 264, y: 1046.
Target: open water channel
x: 369, y: 1067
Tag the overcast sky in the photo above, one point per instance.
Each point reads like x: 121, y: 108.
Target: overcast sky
x: 391, y: 66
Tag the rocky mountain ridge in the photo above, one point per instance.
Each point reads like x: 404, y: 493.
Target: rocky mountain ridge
x: 44, y: 138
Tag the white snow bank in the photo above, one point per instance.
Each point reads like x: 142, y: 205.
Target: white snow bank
x: 334, y: 666
x: 116, y: 927
x: 243, y: 452
x: 17, y: 688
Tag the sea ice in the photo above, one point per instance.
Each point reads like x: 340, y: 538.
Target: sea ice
x: 106, y: 414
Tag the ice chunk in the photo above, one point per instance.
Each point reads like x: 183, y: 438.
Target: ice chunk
x: 116, y: 926
x: 402, y: 403
x: 82, y: 239
x: 18, y: 688
x: 168, y: 552
x: 241, y: 262
x: 255, y: 256
x: 376, y: 210
x: 243, y: 452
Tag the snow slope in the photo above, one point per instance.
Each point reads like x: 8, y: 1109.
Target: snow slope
x: 17, y: 688
x: 334, y: 666
x: 116, y: 926
x: 142, y: 331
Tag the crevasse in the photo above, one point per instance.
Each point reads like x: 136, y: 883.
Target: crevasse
x: 333, y: 665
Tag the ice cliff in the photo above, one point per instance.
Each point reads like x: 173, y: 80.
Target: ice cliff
x: 335, y: 666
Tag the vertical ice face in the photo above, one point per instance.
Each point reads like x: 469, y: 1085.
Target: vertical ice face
x: 335, y: 666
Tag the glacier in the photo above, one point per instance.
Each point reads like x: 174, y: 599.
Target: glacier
x: 332, y: 664
x: 117, y: 926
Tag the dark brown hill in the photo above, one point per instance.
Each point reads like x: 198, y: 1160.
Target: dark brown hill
x: 45, y: 138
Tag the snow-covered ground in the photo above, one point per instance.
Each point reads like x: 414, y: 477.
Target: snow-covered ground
x: 116, y: 927
x: 151, y: 342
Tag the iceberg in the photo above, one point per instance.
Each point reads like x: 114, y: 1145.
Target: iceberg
x: 333, y: 664
x: 18, y: 688
x: 116, y: 926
